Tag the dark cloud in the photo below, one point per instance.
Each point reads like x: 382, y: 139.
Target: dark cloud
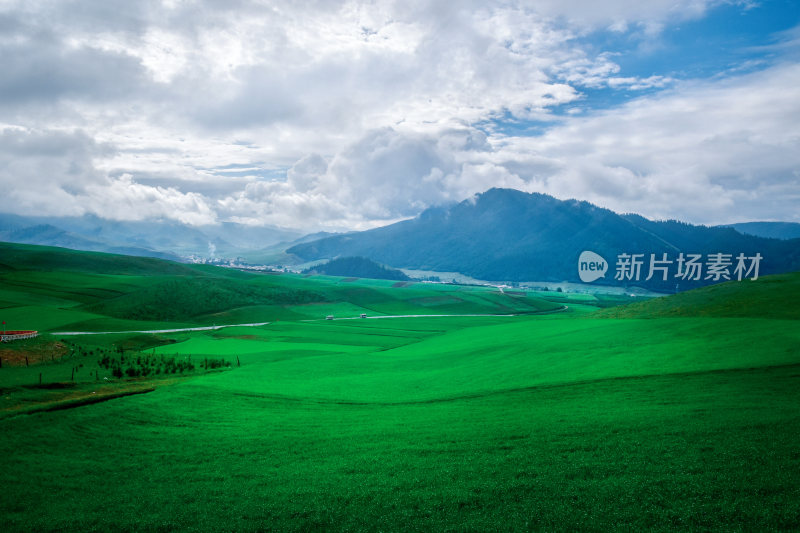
x: 36, y: 72
x: 260, y: 97
x: 40, y: 66
x: 72, y: 16
x: 218, y: 187
x: 27, y: 144
x: 44, y: 171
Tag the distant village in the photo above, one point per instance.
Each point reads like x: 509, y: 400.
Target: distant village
x: 240, y: 263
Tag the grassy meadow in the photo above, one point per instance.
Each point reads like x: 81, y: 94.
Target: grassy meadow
x: 524, y: 411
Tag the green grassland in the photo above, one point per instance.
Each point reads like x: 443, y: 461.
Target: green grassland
x: 677, y: 413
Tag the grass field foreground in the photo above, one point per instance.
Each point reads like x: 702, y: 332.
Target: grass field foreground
x: 627, y: 418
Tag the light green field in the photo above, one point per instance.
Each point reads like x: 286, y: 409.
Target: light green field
x: 392, y: 361
x: 576, y: 420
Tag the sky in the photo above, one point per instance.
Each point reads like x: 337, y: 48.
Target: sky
x: 351, y: 115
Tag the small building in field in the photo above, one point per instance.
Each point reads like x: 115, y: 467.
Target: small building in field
x: 13, y: 335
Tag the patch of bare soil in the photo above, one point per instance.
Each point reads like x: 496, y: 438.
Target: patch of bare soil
x: 36, y: 353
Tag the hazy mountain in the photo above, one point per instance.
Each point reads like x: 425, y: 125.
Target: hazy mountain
x: 48, y: 235
x: 772, y: 230
x: 509, y: 235
x: 276, y: 254
x: 357, y: 267
x: 312, y: 237
x: 243, y: 237
x: 158, y: 238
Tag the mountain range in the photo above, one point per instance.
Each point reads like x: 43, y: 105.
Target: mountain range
x: 499, y: 235
x: 166, y: 239
x: 509, y: 235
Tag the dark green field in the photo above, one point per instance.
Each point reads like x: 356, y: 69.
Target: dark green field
x: 680, y: 413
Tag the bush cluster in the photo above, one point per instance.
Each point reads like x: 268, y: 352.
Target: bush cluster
x: 138, y: 364
x: 142, y: 365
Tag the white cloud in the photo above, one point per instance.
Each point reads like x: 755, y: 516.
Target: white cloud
x: 124, y: 199
x: 305, y: 174
x: 53, y: 173
x: 284, y: 69
x: 619, y: 14
x: 706, y: 152
x: 681, y: 154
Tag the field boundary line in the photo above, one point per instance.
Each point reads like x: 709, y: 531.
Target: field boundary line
x: 73, y: 404
x: 174, y: 330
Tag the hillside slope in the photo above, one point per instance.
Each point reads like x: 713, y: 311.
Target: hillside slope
x: 770, y: 297
x: 15, y: 256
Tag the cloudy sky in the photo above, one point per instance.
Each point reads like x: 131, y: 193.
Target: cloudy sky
x: 355, y: 114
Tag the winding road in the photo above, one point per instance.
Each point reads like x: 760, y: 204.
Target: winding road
x: 560, y: 309
x: 256, y: 324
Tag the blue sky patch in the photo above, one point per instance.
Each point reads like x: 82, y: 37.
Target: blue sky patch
x: 728, y: 40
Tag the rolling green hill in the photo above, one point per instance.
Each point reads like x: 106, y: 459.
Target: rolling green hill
x: 44, y: 258
x: 768, y: 297
x: 359, y: 267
